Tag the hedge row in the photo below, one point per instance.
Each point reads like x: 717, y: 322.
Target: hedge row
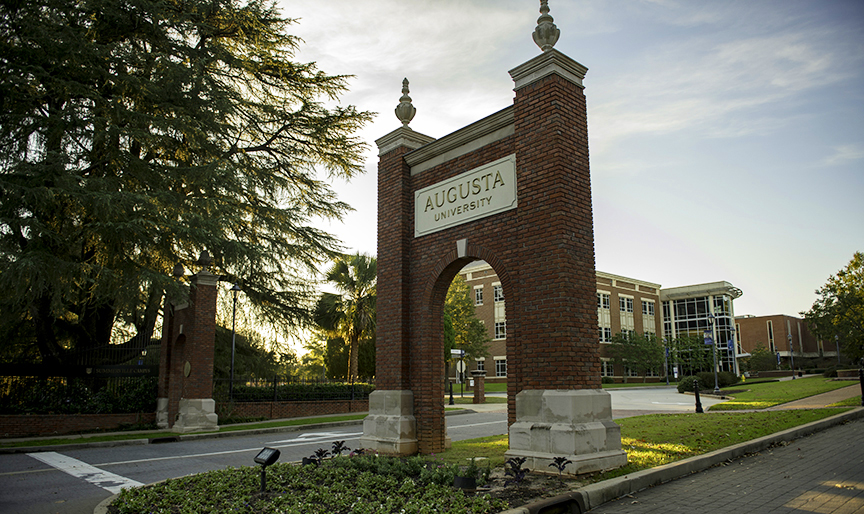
x: 77, y: 396
x: 295, y: 392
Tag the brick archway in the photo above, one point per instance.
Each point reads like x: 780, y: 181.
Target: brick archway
x: 512, y: 189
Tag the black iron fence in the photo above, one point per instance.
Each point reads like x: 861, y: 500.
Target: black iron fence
x: 71, y: 395
x: 287, y: 388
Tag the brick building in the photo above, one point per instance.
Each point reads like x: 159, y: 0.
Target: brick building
x: 623, y: 305
x: 776, y: 332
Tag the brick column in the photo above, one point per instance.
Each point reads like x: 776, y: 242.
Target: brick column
x: 560, y: 409
x: 479, y: 377
x: 560, y: 346
x: 391, y: 426
x: 185, y: 400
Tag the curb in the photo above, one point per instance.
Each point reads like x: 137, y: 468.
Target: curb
x: 592, y: 496
x: 162, y: 437
x: 157, y: 437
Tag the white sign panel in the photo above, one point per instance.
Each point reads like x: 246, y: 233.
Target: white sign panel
x: 473, y: 195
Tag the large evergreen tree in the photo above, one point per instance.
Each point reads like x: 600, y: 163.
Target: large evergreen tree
x: 134, y: 134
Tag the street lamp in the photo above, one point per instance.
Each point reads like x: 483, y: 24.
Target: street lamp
x: 234, y: 290
x: 732, y: 348
x: 791, y: 357
x: 713, y: 350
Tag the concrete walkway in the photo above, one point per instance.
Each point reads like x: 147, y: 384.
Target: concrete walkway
x: 818, y: 467
x: 822, y: 472
x: 822, y: 400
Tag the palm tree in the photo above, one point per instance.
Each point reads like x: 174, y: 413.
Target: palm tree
x: 350, y: 313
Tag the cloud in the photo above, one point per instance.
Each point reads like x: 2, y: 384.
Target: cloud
x: 844, y: 154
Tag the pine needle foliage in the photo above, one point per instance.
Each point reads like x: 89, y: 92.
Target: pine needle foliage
x: 133, y: 135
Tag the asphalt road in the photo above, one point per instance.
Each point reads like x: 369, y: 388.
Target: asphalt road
x: 75, y: 481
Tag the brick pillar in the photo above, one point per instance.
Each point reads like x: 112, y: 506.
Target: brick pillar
x: 391, y: 426
x: 479, y: 377
x: 555, y: 187
x: 185, y: 394
x: 560, y: 409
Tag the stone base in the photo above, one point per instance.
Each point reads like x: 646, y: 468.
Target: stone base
x: 196, y: 415
x: 162, y: 412
x: 390, y: 427
x: 576, y: 424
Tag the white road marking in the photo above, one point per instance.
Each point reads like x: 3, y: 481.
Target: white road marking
x: 315, y: 437
x: 104, y: 479
x: 226, y: 452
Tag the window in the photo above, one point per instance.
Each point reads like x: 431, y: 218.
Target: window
x: 630, y: 372
x: 603, y: 301
x: 771, y: 337
x: 481, y: 365
x: 497, y: 293
x: 626, y: 304
x: 605, y: 335
x: 500, y: 330
x: 500, y: 367
x: 647, y: 308
x: 606, y: 369
x: 478, y: 295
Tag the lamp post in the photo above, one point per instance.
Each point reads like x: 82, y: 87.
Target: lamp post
x: 791, y: 357
x: 732, y: 348
x: 713, y: 351
x: 837, y: 347
x: 234, y: 290
x: 666, y: 353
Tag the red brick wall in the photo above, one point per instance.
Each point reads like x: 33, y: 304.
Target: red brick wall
x: 542, y: 252
x: 27, y: 425
x: 278, y: 410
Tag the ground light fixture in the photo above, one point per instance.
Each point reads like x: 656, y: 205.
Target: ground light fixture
x: 266, y: 457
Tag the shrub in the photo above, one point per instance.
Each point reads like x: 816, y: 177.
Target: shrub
x: 727, y: 378
x: 830, y: 372
x: 607, y: 380
x: 685, y: 385
x: 78, y: 396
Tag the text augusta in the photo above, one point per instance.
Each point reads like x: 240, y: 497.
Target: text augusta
x: 470, y: 189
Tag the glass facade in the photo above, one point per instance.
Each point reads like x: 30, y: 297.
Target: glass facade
x: 689, y: 316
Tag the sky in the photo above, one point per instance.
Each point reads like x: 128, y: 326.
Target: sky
x: 726, y: 137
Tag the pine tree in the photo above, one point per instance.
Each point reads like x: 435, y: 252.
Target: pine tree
x: 134, y: 134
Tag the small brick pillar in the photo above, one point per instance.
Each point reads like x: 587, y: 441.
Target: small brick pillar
x: 479, y: 377
x: 185, y: 398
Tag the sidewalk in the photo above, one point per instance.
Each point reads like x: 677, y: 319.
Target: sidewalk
x: 821, y: 472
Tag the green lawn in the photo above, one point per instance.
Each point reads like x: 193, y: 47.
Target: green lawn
x: 769, y: 394
x: 657, y: 439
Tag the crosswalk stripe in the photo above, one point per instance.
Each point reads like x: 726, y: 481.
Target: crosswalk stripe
x: 104, y: 479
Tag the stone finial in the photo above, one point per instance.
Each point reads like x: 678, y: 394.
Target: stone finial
x: 546, y: 33
x: 205, y: 260
x: 405, y: 111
